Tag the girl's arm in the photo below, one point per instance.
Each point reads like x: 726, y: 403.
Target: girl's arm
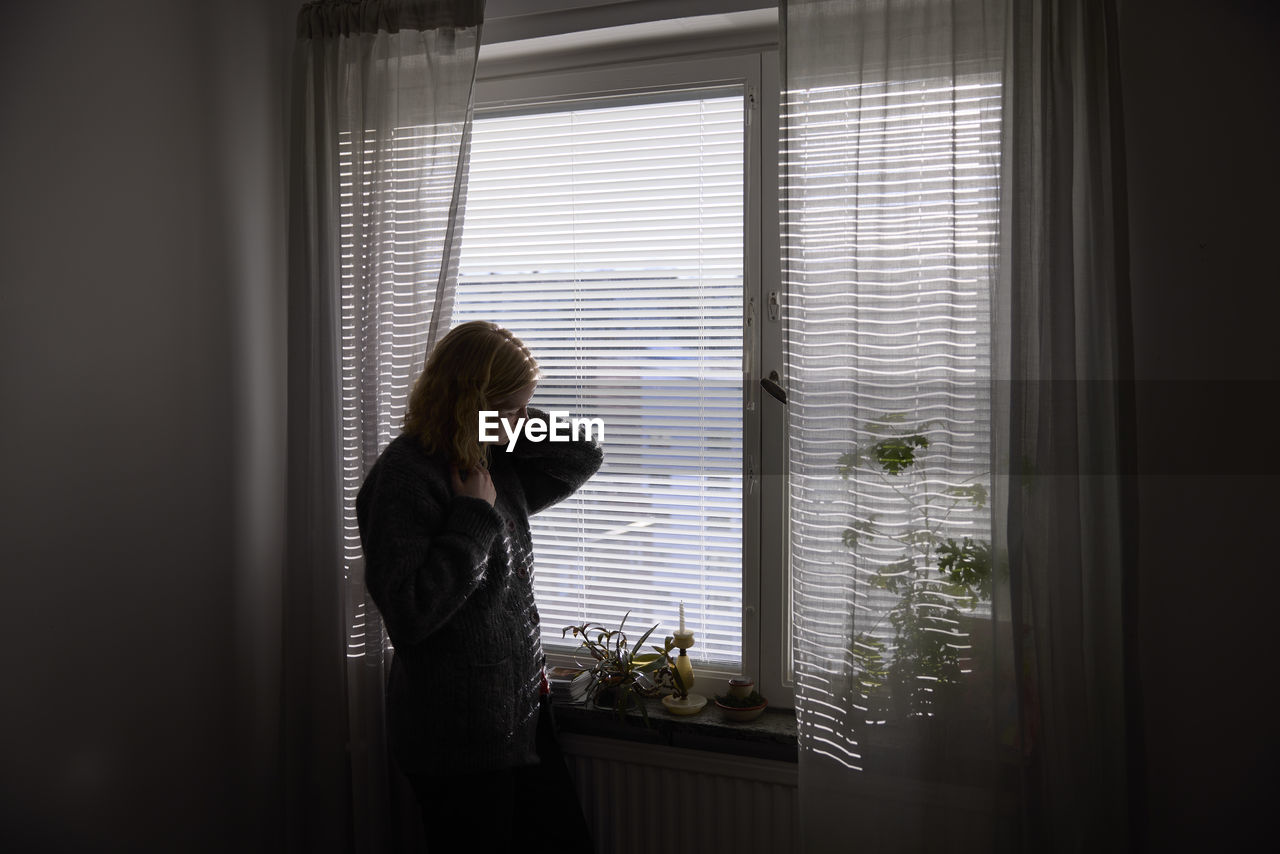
x: 552, y: 471
x: 423, y: 557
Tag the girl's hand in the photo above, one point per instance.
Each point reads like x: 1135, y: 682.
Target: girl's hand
x: 478, y: 484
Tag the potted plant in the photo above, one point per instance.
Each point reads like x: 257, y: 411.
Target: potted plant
x: 938, y: 580
x: 621, y: 672
x: 743, y: 702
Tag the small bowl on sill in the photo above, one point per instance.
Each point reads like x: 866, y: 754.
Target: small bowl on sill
x: 742, y: 714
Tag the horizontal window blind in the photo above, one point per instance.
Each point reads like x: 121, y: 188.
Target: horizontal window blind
x: 394, y: 190
x: 890, y: 195
x: 608, y: 236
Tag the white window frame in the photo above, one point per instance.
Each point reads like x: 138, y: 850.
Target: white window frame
x: 516, y: 75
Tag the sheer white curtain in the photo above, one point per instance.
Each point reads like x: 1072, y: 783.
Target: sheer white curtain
x: 379, y: 142
x: 950, y: 244
x: 1065, y: 424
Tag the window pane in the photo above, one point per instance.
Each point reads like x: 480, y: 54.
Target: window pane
x: 608, y: 237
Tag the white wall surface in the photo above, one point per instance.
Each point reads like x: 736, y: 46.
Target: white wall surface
x: 1200, y: 82
x: 142, y: 339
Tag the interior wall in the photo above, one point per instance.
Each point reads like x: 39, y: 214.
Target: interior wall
x: 1199, y: 84
x: 142, y: 335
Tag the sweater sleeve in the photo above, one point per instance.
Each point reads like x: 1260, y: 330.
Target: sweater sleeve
x: 550, y: 471
x: 422, y: 558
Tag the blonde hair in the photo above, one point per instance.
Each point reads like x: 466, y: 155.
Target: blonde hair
x: 474, y: 366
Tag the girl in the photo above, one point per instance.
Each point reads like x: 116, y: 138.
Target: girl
x: 444, y: 522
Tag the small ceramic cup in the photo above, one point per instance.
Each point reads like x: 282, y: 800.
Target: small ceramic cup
x: 741, y: 688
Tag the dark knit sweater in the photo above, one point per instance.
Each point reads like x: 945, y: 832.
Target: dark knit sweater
x: 453, y: 579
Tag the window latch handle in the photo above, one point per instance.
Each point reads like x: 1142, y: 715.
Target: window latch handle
x: 771, y: 385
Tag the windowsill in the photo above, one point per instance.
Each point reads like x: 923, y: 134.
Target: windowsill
x: 893, y: 752
x: 770, y: 736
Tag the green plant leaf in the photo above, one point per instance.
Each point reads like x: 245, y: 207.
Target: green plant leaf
x: 922, y: 537
x: 849, y: 461
x: 967, y: 563
x: 852, y: 534
x: 645, y: 636
x: 895, y: 577
x: 976, y: 493
x: 679, y: 680
x: 898, y: 454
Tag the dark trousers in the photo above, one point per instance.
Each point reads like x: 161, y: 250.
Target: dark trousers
x: 534, y: 807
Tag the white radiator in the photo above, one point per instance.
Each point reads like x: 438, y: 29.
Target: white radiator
x: 641, y: 798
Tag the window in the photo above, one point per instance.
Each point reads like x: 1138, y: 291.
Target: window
x: 607, y: 225
x: 625, y: 222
